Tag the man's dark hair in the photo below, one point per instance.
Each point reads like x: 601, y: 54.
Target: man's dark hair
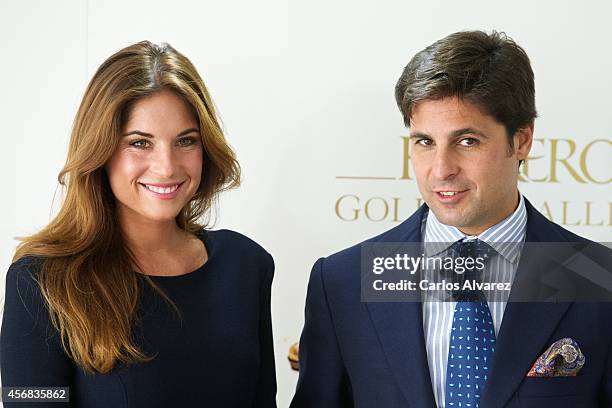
x: 488, y: 70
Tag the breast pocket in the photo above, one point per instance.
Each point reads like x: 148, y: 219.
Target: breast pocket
x: 576, y: 392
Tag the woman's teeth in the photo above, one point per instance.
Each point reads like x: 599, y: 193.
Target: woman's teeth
x: 162, y: 190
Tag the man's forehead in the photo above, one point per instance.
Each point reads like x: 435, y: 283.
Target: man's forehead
x: 450, y: 115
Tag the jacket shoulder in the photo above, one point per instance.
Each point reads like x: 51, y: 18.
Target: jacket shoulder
x: 346, y: 262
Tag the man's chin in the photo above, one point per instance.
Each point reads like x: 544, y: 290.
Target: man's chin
x: 451, y: 222
x: 451, y: 217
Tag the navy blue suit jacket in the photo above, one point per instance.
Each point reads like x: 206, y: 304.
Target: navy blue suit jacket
x: 373, y: 354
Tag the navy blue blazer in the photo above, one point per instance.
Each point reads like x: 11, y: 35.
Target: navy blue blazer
x: 356, y: 354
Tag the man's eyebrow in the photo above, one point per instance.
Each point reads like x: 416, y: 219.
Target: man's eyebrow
x: 467, y: 131
x: 145, y: 134
x: 419, y: 135
x: 454, y: 133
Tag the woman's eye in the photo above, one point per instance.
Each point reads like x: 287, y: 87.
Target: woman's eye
x: 468, y: 142
x: 139, y: 143
x: 187, y: 141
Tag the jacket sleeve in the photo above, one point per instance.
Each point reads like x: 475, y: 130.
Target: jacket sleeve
x: 30, y: 350
x: 323, y: 381
x: 266, y: 388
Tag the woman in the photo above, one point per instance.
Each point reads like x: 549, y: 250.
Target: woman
x: 124, y: 297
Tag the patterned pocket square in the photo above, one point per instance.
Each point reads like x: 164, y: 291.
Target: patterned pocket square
x: 562, y: 359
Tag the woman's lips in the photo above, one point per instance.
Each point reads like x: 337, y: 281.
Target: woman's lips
x: 163, y: 191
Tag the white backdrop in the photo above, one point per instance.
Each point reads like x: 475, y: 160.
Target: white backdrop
x: 305, y: 90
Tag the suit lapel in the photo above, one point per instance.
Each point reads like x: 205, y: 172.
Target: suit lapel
x: 523, y: 336
x: 526, y: 326
x: 399, y: 326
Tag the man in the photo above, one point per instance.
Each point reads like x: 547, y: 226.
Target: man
x: 469, y: 102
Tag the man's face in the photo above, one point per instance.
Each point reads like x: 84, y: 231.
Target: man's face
x: 465, y: 168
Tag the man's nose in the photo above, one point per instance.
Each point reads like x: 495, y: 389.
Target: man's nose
x: 445, y: 164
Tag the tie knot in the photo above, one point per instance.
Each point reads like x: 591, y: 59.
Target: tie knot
x: 480, y: 253
x: 472, y: 248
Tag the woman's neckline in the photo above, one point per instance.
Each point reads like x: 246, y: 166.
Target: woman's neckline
x: 203, y: 235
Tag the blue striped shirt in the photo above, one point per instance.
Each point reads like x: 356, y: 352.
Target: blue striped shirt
x: 438, y: 315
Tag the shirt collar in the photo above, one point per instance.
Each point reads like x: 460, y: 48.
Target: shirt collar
x: 506, y: 237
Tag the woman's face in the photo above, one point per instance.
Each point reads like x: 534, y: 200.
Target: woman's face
x: 157, y: 166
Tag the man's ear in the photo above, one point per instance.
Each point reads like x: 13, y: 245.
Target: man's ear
x: 523, y: 139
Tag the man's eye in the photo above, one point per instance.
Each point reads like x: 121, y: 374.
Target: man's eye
x: 141, y: 143
x: 468, y: 142
x: 424, y: 142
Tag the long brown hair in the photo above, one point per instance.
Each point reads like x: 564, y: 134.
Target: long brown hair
x: 87, y: 276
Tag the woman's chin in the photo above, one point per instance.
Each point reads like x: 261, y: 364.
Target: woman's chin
x: 159, y: 217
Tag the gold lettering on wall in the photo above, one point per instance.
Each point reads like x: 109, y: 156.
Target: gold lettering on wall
x: 355, y: 207
x: 395, y: 207
x: 564, y: 219
x: 368, y: 211
x: 588, y: 216
x: 339, y: 202
x: 406, y: 161
x: 554, y: 143
x: 583, y: 161
x: 526, y: 165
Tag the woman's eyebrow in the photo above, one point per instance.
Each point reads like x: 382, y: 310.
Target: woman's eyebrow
x: 145, y: 134
x: 137, y: 132
x: 186, y: 131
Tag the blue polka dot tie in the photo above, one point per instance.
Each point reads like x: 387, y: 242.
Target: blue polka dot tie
x: 472, y: 338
